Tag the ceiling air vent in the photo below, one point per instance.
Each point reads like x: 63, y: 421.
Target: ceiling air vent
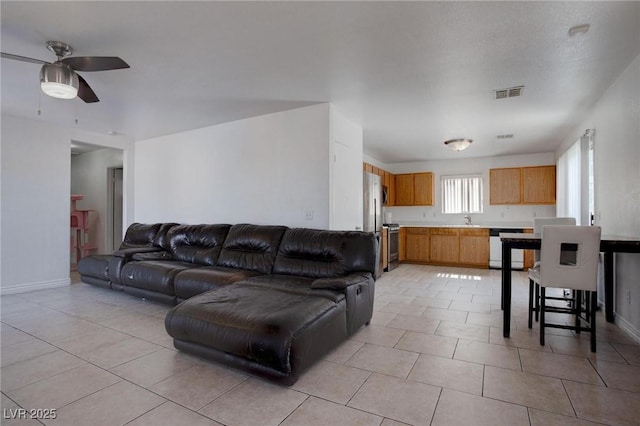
x: 505, y: 136
x: 510, y: 92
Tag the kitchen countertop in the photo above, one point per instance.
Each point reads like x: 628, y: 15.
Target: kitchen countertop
x: 504, y: 225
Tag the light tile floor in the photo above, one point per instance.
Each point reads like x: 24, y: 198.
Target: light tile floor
x: 433, y: 354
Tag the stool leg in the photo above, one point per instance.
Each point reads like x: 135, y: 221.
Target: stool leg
x: 537, y: 300
x: 577, y: 308
x: 592, y: 319
x: 532, y: 303
x: 542, y: 291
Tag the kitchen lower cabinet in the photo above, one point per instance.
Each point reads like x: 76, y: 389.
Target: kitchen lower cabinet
x: 474, y: 247
x: 417, y: 245
x: 528, y: 254
x: 384, y: 252
x: 445, y: 245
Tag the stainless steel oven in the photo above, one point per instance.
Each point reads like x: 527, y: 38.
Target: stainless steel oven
x: 393, y: 243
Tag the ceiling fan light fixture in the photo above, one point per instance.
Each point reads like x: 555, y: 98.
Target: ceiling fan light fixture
x: 59, y: 81
x: 458, y: 144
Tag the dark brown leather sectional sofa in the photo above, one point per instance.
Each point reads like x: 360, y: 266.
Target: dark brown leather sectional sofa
x: 269, y: 300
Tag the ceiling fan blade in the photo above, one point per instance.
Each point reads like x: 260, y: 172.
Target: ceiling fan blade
x: 23, y: 58
x: 85, y: 92
x: 95, y: 63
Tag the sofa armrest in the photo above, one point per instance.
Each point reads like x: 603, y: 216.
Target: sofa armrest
x: 121, y: 257
x: 129, y: 252
x: 152, y: 255
x: 341, y: 283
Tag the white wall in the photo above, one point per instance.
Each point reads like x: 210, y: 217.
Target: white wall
x: 520, y: 215
x: 271, y: 169
x: 35, y: 206
x: 89, y: 177
x: 35, y: 203
x: 346, y: 186
x: 616, y: 119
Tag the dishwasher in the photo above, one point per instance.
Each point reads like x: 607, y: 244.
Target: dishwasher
x: 495, y: 249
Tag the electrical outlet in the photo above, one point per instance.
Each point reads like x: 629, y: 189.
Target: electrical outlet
x: 308, y: 215
x: 501, y: 214
x: 629, y: 296
x: 424, y: 214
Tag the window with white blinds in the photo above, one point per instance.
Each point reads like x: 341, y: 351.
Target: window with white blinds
x: 461, y: 194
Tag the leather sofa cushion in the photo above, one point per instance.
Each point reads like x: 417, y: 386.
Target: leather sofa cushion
x: 140, y: 234
x: 325, y: 254
x: 301, y: 286
x: 341, y: 283
x: 192, y: 282
x: 251, y: 247
x: 153, y: 275
x: 258, y: 324
x: 162, y: 236
x: 197, y: 244
x: 96, y: 266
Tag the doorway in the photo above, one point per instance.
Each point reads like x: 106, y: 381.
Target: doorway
x: 97, y: 174
x: 114, y: 207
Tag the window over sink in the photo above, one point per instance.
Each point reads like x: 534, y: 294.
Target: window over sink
x: 461, y: 194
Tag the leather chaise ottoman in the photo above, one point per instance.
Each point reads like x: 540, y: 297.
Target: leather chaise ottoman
x: 271, y: 333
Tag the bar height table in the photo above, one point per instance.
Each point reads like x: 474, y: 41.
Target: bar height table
x: 609, y: 244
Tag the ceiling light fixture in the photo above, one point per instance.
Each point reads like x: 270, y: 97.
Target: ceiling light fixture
x: 59, y: 81
x: 458, y: 144
x: 579, y: 29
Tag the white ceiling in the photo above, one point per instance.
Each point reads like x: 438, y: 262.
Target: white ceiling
x: 412, y: 74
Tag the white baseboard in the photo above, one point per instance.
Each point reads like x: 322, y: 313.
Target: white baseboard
x: 42, y: 285
x: 628, y: 328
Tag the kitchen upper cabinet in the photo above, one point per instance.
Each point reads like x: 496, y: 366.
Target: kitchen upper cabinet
x: 444, y: 245
x: 523, y: 185
x: 417, y: 244
x: 504, y: 186
x: 390, y: 183
x: 539, y: 185
x: 474, y: 247
x: 387, y: 180
x: 404, y: 190
x: 414, y: 189
x: 423, y: 189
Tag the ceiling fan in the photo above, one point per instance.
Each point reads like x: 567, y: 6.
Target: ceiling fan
x: 60, y: 80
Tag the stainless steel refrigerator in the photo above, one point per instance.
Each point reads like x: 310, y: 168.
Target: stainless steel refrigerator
x: 373, y: 206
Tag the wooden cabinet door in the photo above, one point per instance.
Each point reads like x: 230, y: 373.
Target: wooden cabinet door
x: 528, y: 254
x: 423, y: 189
x: 402, y: 244
x: 418, y: 244
x: 504, y: 186
x: 539, y: 185
x: 404, y: 190
x: 392, y: 190
x: 444, y: 245
x: 474, y: 247
x: 390, y: 183
x: 385, y: 248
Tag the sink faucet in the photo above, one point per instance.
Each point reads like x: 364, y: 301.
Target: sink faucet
x: 467, y: 219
